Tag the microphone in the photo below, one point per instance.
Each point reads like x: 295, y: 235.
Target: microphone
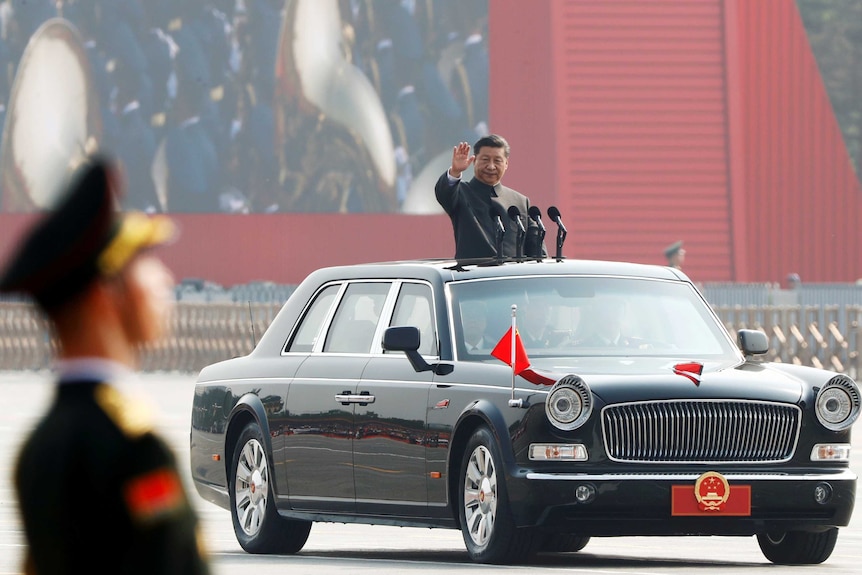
x: 497, y: 216
x: 496, y: 213
x: 515, y: 216
x: 554, y: 214
x: 536, y: 215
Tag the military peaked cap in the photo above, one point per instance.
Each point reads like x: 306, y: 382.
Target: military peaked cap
x: 82, y: 239
x: 672, y: 249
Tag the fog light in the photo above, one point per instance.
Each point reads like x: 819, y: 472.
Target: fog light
x: 831, y: 452
x: 585, y: 493
x: 822, y: 493
x: 558, y: 452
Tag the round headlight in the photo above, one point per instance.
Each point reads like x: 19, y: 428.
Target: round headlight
x: 838, y: 403
x: 569, y: 403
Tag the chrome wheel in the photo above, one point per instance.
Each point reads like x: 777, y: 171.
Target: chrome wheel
x: 480, y: 495
x: 251, y: 487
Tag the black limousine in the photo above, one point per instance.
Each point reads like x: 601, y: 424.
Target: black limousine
x: 530, y: 404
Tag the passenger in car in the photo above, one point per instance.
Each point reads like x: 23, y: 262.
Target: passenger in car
x: 474, y: 320
x: 534, y: 323
x: 602, y: 325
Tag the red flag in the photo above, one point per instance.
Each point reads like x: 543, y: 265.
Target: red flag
x: 503, y: 351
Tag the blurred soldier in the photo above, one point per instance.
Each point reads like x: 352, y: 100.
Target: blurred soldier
x: 191, y: 157
x: 87, y: 16
x: 470, y: 83
x: 675, y: 255
x: 794, y: 282
x: 98, y: 491
x: 136, y: 145
x: 398, y: 23
x: 472, y: 205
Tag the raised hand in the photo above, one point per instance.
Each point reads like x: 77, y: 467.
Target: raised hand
x: 461, y: 159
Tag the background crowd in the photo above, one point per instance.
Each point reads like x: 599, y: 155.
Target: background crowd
x: 187, y: 89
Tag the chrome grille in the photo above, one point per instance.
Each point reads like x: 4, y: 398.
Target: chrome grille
x: 704, y: 431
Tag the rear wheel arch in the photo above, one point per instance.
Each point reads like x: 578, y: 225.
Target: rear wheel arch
x: 258, y: 526
x: 248, y: 409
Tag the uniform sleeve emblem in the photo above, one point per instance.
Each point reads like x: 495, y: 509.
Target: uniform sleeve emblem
x: 153, y: 495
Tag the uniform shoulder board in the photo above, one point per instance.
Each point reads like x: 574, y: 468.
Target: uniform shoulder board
x: 132, y: 417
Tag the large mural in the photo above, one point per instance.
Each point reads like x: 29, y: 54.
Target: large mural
x: 242, y: 106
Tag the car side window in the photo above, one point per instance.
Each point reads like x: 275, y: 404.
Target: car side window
x: 355, y: 321
x: 414, y: 307
x: 312, y: 322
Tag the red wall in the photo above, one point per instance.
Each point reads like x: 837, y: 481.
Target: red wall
x: 643, y: 148
x: 802, y: 200
x: 629, y: 114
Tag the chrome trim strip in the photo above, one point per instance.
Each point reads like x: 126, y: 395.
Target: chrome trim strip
x: 845, y: 475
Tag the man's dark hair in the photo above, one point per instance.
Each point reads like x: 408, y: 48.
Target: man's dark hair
x: 492, y: 141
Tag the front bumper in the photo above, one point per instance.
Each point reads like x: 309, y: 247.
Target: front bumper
x: 640, y: 503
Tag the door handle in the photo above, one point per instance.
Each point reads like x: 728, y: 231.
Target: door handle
x: 365, y: 398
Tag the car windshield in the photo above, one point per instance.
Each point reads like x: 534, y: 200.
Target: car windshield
x: 586, y: 316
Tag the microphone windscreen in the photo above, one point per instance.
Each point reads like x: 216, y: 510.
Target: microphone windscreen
x: 514, y: 212
x: 553, y: 213
x: 535, y: 213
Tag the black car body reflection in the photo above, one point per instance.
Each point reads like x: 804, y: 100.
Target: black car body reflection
x: 369, y: 400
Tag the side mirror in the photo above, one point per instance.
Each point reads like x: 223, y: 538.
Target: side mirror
x: 402, y: 338
x: 752, y: 342
x: 406, y: 339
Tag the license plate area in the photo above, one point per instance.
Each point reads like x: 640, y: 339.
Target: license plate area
x: 710, y: 496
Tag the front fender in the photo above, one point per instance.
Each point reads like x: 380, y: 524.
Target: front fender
x: 485, y: 412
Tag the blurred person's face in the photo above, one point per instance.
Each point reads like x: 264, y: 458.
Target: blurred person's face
x: 490, y: 165
x: 473, y: 321
x: 609, y: 319
x: 147, y: 299
x: 536, y: 317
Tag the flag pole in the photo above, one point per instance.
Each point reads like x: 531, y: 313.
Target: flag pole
x: 512, y: 359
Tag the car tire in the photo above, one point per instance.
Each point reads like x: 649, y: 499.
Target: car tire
x: 487, y: 524
x: 256, y: 522
x: 563, y: 543
x: 798, y: 547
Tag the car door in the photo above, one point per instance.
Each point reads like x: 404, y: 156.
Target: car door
x: 319, y: 449
x: 389, y: 448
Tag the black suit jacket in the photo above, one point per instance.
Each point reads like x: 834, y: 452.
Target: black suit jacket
x: 100, y: 493
x: 469, y: 207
